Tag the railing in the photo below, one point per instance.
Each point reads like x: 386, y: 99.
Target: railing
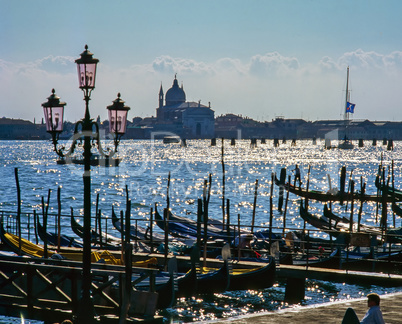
x: 50, y: 290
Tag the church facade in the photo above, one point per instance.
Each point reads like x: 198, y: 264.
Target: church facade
x: 186, y: 119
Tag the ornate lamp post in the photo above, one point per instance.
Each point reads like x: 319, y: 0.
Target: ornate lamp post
x: 88, y: 130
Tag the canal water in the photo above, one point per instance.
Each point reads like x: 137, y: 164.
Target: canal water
x: 143, y: 173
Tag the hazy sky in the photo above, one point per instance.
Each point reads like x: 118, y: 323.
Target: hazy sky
x: 258, y: 58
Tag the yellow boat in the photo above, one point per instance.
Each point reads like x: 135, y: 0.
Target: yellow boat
x: 30, y: 249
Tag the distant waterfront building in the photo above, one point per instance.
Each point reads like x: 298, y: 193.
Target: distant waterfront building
x: 18, y: 129
x: 187, y: 119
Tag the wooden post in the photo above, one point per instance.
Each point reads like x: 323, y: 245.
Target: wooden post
x: 127, y: 225
x: 378, y: 191
x: 122, y: 234
x: 44, y: 216
x: 295, y: 290
x: 199, y: 221
x: 105, y: 225
x: 18, y: 209
x: 271, y: 209
x: 384, y: 203
x: 151, y: 229
x: 205, y: 231
x: 350, y: 181
x: 98, y: 216
x: 286, y: 205
x: 96, y: 212
x: 209, y: 188
x: 36, y: 230
x: 238, y: 245
x: 393, y: 190
x: 126, y: 300
x: 223, y: 183
x: 352, y: 188
x: 307, y: 186
x: 282, y: 179
x: 362, y: 190
x: 342, y: 182
x: 254, y: 205
x: 58, y: 218
x: 228, y: 218
x: 166, y: 219
x: 167, y: 193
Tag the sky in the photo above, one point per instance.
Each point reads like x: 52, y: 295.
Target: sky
x: 258, y: 58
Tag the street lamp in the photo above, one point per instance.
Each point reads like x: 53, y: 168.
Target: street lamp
x: 53, y: 110
x: 88, y: 130
x: 117, y: 119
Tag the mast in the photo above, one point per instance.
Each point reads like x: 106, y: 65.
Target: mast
x: 346, y: 116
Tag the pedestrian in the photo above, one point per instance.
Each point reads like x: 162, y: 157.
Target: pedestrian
x: 373, y: 315
x: 297, y: 175
x: 243, y: 244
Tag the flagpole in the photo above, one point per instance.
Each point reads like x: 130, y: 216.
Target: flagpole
x: 346, y: 117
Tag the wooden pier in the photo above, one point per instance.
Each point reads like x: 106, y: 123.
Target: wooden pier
x: 50, y: 290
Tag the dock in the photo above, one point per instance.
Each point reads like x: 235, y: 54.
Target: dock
x: 332, y: 312
x: 49, y: 290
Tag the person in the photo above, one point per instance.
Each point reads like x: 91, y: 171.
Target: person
x: 243, y: 244
x: 373, y: 315
x: 297, y: 175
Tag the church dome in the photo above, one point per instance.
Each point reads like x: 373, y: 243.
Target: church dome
x: 175, y: 94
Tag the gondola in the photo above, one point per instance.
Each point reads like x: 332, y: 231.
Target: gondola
x: 393, y: 193
x: 332, y: 261
x: 33, y: 250
x: 102, y: 240
x: 330, y: 215
x: 389, y: 261
x: 53, y: 239
x: 363, y: 228
x: 395, y: 234
x: 13, y: 243
x: 257, y: 278
x: 322, y: 222
x: 325, y: 223
x: 187, y: 230
x: 396, y: 209
x: 328, y: 196
x: 169, y: 285
x: 138, y: 232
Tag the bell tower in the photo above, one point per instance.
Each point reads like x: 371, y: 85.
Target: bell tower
x: 161, y: 97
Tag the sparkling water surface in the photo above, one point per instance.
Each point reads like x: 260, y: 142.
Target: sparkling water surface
x: 144, y: 172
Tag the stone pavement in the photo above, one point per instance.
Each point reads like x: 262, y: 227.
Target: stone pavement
x: 391, y: 306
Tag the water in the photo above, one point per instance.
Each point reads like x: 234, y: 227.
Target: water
x: 144, y: 171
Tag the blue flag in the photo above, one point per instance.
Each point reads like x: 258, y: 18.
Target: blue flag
x: 350, y: 107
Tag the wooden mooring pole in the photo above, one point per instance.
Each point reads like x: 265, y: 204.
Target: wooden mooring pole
x: 223, y: 183
x: 254, y: 205
x: 295, y: 290
x: 18, y: 209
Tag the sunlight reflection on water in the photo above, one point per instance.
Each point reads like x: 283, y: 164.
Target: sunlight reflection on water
x: 144, y: 170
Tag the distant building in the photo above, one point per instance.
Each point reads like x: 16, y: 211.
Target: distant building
x: 18, y: 129
x: 187, y: 119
